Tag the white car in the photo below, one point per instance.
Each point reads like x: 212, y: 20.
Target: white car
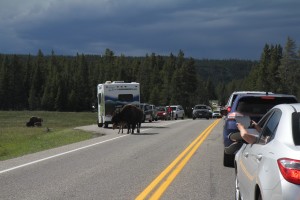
x: 270, y: 168
x: 216, y: 114
x: 177, y: 112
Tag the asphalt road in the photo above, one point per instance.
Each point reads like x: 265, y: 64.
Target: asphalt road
x: 180, y: 159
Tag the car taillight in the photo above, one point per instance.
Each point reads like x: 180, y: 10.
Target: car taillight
x: 290, y: 169
x: 228, y: 109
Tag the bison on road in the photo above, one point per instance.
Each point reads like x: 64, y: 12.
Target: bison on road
x: 129, y: 114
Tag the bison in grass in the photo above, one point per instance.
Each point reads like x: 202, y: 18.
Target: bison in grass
x: 34, y: 121
x: 131, y: 115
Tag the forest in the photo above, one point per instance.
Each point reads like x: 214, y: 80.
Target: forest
x: 68, y: 83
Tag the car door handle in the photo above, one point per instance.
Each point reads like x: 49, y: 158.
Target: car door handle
x: 246, y: 154
x: 259, y: 157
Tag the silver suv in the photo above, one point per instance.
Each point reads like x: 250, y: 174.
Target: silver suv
x: 177, y: 112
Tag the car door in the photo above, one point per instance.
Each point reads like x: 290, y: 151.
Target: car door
x: 255, y: 157
x: 179, y: 110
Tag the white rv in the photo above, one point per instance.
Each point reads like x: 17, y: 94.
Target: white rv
x: 114, y: 95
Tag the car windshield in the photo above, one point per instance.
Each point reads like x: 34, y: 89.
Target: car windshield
x: 200, y: 107
x: 161, y: 109
x: 260, y: 105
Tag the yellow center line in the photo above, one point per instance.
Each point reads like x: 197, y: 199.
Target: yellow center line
x: 186, y: 154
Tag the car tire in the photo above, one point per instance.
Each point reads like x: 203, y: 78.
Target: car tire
x: 228, y: 160
x: 105, y: 125
x: 151, y: 119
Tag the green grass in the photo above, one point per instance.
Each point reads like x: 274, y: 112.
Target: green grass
x: 16, y: 139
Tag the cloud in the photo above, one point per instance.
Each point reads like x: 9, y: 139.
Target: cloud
x: 226, y: 29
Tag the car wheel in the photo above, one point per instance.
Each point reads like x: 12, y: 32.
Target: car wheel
x: 150, y: 120
x: 176, y: 117
x: 237, y: 189
x: 182, y: 117
x: 228, y: 160
x: 105, y: 125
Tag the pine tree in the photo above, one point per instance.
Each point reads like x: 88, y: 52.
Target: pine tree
x: 288, y: 68
x: 18, y: 96
x: 4, y: 84
x: 167, y: 73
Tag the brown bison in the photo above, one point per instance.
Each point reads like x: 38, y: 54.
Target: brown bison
x: 34, y: 121
x: 129, y: 114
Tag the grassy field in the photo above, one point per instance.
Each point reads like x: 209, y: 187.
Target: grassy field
x: 16, y: 139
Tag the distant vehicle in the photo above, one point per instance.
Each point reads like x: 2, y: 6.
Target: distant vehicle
x: 216, y: 114
x: 162, y: 113
x: 177, y: 112
x: 269, y: 168
x: 154, y: 112
x: 148, y: 113
x: 202, y: 111
x: 114, y: 95
x: 254, y: 106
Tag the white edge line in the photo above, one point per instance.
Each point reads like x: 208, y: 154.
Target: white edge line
x: 67, y: 152
x: 60, y: 154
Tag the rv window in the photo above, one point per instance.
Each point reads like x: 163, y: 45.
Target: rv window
x: 99, y: 98
x: 125, y: 97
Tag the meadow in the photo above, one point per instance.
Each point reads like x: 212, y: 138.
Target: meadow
x: 16, y: 139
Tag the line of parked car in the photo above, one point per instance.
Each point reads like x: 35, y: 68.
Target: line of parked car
x: 151, y: 112
x: 270, y: 167
x: 154, y: 113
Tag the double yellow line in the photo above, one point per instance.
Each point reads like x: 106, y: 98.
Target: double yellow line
x: 161, y: 183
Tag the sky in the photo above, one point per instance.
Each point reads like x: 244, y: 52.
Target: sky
x: 202, y: 29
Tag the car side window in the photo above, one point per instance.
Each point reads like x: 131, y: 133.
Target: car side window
x: 270, y: 127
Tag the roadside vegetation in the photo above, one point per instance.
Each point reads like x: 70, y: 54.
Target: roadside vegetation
x: 57, y: 130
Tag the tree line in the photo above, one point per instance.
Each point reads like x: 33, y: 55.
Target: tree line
x: 68, y: 83
x: 277, y: 71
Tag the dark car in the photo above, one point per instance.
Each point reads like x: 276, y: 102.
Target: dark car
x: 202, y: 111
x: 254, y: 106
